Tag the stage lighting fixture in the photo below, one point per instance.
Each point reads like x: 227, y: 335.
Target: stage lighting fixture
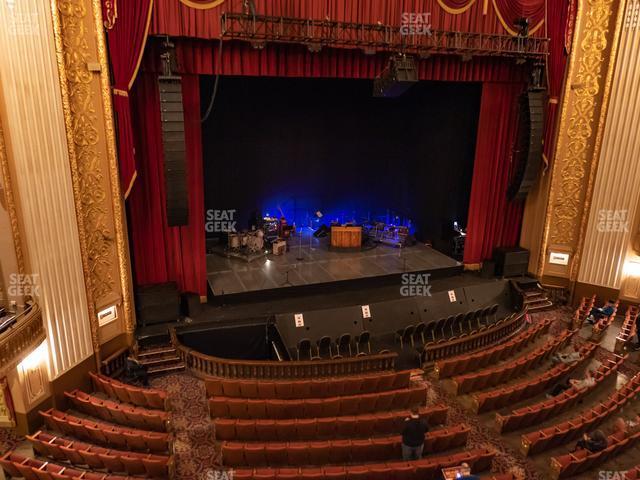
x: 523, y: 26
x: 398, y: 76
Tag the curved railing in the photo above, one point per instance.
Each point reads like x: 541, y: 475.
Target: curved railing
x: 497, y: 332
x: 207, y: 365
x: 18, y: 341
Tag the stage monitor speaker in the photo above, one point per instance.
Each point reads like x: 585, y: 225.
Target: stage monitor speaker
x: 173, y: 143
x: 158, y: 303
x: 190, y: 305
x: 488, y: 269
x: 527, y: 153
x: 511, y: 262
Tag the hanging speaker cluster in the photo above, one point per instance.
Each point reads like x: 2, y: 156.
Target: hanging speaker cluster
x: 399, y: 75
x: 173, y: 144
x: 527, y: 154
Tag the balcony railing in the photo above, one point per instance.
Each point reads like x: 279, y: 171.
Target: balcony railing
x: 21, y: 338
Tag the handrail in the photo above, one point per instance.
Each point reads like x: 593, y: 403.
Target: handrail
x: 115, y: 364
x: 207, y: 365
x: 275, y: 347
x: 497, y: 332
x: 22, y: 337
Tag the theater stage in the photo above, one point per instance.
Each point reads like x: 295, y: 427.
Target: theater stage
x: 323, y: 267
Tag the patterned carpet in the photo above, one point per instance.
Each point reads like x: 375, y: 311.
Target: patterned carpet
x: 8, y: 439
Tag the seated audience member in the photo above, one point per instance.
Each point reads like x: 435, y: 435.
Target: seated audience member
x: 598, y: 313
x: 136, y: 371
x: 629, y: 426
x: 587, y: 381
x: 413, y: 434
x: 559, y: 388
x: 594, y: 442
x: 569, y: 355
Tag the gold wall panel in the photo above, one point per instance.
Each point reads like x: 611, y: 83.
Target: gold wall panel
x: 83, y: 69
x: 582, y: 119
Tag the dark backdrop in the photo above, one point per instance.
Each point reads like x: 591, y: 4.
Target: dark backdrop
x: 328, y: 145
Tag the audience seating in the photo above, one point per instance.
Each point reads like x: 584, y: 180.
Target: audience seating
x: 503, y: 396
x: 633, y: 474
x: 486, y: 335
x: 582, y: 460
x: 628, y: 329
x: 583, y: 310
x: 318, y: 407
x: 542, y: 411
x: 586, y: 421
x: 475, y: 361
x: 352, y: 426
x: 106, y: 433
x: 315, y: 388
x: 427, y: 468
x: 321, y: 453
x: 120, y: 413
x: 141, y: 396
x: 79, y: 453
x: 601, y: 325
x: 492, y: 376
x: 18, y: 465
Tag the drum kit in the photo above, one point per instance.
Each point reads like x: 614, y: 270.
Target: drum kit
x: 249, y: 242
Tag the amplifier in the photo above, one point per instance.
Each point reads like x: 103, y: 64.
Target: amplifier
x: 511, y: 261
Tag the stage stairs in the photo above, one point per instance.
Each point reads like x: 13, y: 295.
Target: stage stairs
x: 160, y: 359
x: 536, y: 298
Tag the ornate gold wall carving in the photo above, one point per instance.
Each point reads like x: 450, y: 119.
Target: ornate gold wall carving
x: 9, y: 201
x: 91, y: 143
x: 580, y: 130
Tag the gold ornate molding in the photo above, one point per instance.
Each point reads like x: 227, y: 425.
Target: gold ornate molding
x: 10, y: 203
x: 582, y: 119
x: 80, y: 44
x: 21, y: 339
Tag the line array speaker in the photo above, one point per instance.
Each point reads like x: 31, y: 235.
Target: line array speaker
x: 527, y: 153
x: 173, y: 144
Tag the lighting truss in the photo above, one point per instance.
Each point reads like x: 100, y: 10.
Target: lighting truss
x: 373, y: 38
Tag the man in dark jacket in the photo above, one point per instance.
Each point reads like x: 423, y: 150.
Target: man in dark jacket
x: 413, y: 434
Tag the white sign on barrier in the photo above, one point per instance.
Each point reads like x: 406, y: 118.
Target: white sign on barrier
x: 299, y: 319
x: 366, y: 312
x: 452, y: 296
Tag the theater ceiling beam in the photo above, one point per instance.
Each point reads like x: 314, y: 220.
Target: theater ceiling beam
x: 372, y: 38
x: 582, y: 120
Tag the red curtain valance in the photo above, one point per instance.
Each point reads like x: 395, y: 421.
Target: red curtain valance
x: 178, y: 18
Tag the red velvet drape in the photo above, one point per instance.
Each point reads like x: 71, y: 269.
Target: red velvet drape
x: 162, y: 253
x: 174, y: 18
x: 556, y: 63
x: 493, y: 220
x: 127, y: 39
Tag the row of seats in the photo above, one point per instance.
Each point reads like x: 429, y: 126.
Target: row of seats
x: 486, y: 336
x: 275, y: 454
x: 428, y: 468
x: 78, y: 453
x: 313, y: 388
x: 120, y: 413
x: 628, y: 329
x: 503, y: 396
x: 475, y: 361
x: 503, y: 373
x: 106, y: 433
x: 574, y: 463
x: 583, y: 310
x: 17, y: 466
x: 141, y: 396
x: 542, y: 411
x: 400, y: 399
x: 351, y: 426
x: 604, y: 323
x: 633, y: 474
x: 571, y: 430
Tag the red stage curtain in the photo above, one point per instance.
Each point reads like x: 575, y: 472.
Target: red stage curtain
x: 174, y: 18
x: 127, y: 39
x: 201, y: 57
x: 493, y: 220
x: 508, y: 11
x: 162, y: 253
x: 556, y: 64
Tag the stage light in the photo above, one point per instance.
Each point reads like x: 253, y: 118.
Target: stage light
x: 398, y: 76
